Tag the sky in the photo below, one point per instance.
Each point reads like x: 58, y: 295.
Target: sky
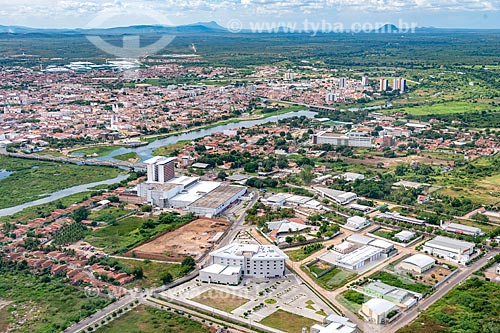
x: 249, y: 14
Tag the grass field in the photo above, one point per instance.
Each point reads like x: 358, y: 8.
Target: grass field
x: 220, y: 300
x: 122, y: 236
x: 153, y: 271
x: 352, y: 300
x: 96, y: 150
x: 300, y: 254
x: 32, y: 180
x: 401, y: 282
x: 43, y: 307
x: 446, y: 108
x: 334, y: 279
x: 287, y: 322
x: 168, y: 150
x: 128, y: 157
x: 474, y: 306
x: 150, y: 320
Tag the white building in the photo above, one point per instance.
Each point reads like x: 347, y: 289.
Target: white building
x: 357, y: 259
x: 450, y: 249
x: 217, y: 200
x: 260, y: 261
x: 335, y: 324
x: 356, y: 223
x: 462, y: 229
x: 221, y: 274
x: 377, y: 309
x: 351, y: 139
x: 352, y: 176
x: 340, y: 197
x: 405, y: 236
x: 418, y: 263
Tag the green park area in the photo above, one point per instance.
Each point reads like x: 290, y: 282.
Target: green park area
x: 150, y: 320
x: 31, y: 180
x: 96, y: 150
x: 287, y: 322
x: 42, y: 303
x: 220, y: 300
x: 473, y: 306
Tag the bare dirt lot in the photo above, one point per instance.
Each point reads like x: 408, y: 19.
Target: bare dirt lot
x: 193, y: 239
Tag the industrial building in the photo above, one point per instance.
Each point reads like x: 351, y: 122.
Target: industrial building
x: 377, y: 310
x: 357, y: 259
x: 163, y: 189
x: 462, y: 229
x: 417, y: 263
x: 259, y: 261
x: 356, y: 223
x: 450, y: 249
x: 396, y: 295
x: 400, y: 218
x: 341, y: 197
x: 351, y: 139
x: 405, y: 236
x: 222, y: 274
x: 214, y: 202
x: 335, y: 324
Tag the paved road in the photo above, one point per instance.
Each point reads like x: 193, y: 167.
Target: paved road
x: 409, y: 316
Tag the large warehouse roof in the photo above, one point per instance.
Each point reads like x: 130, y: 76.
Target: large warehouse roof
x: 217, y: 197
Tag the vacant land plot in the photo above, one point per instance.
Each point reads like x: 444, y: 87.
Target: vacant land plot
x: 192, y: 239
x: 335, y: 278
x: 120, y: 236
x: 31, y: 180
x: 401, y: 282
x: 435, y: 275
x: 352, y: 300
x: 150, y: 320
x: 319, y: 267
x: 473, y: 306
x: 153, y: 271
x: 287, y: 322
x: 303, y: 252
x: 446, y: 108
x: 220, y: 300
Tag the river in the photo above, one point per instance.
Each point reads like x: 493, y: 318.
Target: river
x: 146, y: 152
x: 60, y: 194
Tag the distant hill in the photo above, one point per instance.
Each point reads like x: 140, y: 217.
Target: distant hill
x: 201, y: 27
x: 388, y: 28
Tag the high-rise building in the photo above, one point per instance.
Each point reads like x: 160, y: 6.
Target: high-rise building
x: 364, y: 80
x: 289, y: 76
x: 343, y: 82
x: 402, y: 85
x: 331, y: 97
x: 384, y: 85
x: 396, y: 83
x: 160, y: 169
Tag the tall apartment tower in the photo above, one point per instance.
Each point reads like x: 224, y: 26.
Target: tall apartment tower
x: 343, y: 82
x: 396, y: 84
x: 402, y: 85
x: 160, y: 169
x: 364, y: 80
x: 384, y: 85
